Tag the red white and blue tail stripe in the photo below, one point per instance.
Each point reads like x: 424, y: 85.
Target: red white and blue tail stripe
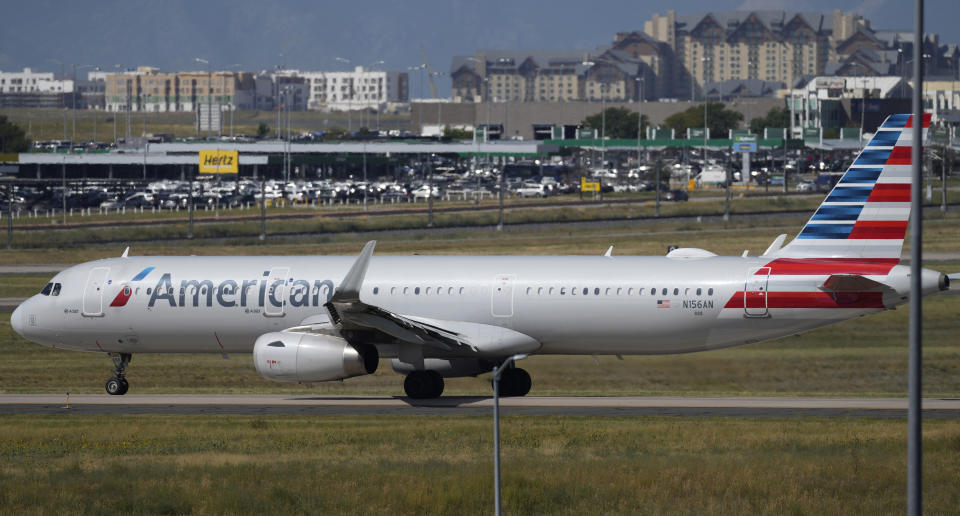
x: 866, y: 213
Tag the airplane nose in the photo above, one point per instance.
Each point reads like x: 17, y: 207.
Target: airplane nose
x: 16, y: 320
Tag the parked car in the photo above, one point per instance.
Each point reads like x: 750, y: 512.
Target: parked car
x: 532, y: 190
x: 675, y: 195
x: 806, y: 186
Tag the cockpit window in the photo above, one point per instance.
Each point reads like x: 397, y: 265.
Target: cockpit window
x: 56, y: 290
x: 46, y: 289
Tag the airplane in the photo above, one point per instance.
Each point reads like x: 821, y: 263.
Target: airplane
x: 322, y: 318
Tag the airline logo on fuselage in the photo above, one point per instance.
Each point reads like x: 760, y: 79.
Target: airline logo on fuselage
x: 262, y: 292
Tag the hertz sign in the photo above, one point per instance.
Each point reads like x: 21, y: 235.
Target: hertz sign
x: 219, y: 162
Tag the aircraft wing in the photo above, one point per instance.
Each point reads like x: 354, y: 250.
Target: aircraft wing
x: 348, y: 312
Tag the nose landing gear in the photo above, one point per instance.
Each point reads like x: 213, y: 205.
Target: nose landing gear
x: 118, y: 385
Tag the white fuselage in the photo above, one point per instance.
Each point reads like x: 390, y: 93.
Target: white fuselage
x: 569, y: 304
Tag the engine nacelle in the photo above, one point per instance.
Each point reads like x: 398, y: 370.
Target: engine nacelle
x: 303, y: 357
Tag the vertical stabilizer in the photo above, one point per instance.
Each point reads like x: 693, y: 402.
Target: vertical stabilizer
x: 866, y: 213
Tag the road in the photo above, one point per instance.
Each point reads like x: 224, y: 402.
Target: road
x: 203, y: 404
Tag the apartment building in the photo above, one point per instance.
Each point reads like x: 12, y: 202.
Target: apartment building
x: 360, y: 88
x: 148, y: 89
x: 612, y: 72
x: 776, y: 46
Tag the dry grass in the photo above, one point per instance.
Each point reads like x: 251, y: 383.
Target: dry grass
x: 404, y: 465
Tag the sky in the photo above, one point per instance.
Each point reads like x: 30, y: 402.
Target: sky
x: 311, y: 35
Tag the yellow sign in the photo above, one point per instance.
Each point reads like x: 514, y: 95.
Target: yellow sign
x: 219, y: 162
x: 589, y: 186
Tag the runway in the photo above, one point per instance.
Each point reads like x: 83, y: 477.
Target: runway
x: 633, y: 406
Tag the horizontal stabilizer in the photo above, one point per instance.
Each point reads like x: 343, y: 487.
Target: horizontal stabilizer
x: 851, y: 283
x: 849, y: 288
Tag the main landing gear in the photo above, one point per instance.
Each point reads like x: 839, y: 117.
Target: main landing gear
x: 515, y: 382
x: 118, y: 385
x: 421, y: 385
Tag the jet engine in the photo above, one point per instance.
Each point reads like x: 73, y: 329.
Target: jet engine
x: 305, y: 357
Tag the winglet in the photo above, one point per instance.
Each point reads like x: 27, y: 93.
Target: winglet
x: 125, y: 252
x: 349, y: 289
x: 609, y: 252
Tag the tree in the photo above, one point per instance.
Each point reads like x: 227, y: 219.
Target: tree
x: 719, y: 119
x: 620, y: 123
x: 12, y: 138
x: 775, y: 118
x: 263, y: 130
x: 455, y: 133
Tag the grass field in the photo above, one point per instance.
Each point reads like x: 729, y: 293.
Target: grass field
x: 57, y: 124
x: 415, y: 465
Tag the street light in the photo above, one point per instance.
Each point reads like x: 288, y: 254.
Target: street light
x: 380, y: 94
x: 209, y: 93
x: 350, y: 98
x: 497, y: 371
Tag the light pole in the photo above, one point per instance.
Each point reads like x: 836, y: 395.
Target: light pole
x: 115, y: 116
x: 603, y: 125
x: 639, y: 120
x: 497, y: 371
x: 380, y: 94
x: 350, y: 98
x: 209, y: 93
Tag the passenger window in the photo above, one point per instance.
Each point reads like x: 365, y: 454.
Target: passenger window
x: 710, y: 292
x: 56, y: 289
x: 428, y: 291
x: 551, y: 290
x: 676, y: 291
x: 596, y: 291
x: 416, y: 291
x: 46, y: 289
x: 449, y: 291
x: 653, y: 292
x: 461, y: 291
x: 406, y: 290
x: 619, y: 290
x: 149, y: 291
x: 393, y: 291
x: 586, y: 291
x: 663, y: 292
x: 540, y: 291
x: 630, y: 291
x: 376, y: 290
x: 607, y: 292
x: 639, y: 291
x: 699, y: 291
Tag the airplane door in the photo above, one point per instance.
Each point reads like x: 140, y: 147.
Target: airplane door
x: 276, y: 290
x: 755, y: 293
x: 93, y: 292
x: 501, y: 295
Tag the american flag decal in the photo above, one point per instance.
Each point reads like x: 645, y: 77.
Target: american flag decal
x: 663, y: 303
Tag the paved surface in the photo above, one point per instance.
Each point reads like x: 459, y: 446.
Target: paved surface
x: 465, y: 405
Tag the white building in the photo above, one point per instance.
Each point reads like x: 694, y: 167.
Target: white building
x: 359, y: 89
x: 806, y: 103
x: 29, y: 81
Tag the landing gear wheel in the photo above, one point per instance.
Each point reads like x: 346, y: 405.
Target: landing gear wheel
x: 423, y: 385
x: 515, y: 382
x: 118, y: 385
x: 114, y: 387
